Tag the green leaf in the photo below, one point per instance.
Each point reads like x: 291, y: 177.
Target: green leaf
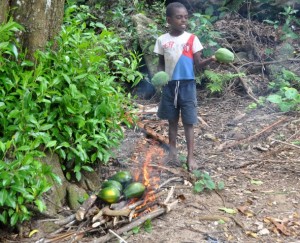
x: 2, y: 147
x: 228, y: 210
x: 256, y: 182
x: 40, y: 204
x: 136, y: 230
x: 14, y: 219
x: 13, y: 49
x: 3, y: 196
x: 78, y: 175
x: 46, y: 127
x: 148, y: 226
x: 197, y: 174
x: 51, y: 144
x: 14, y: 114
x: 275, y: 98
x: 198, y: 187
x: 10, y: 202
x: 291, y: 93
x: 87, y: 168
x: 67, y: 78
x: 210, y: 185
x: 27, y: 63
x: 24, y: 148
x: 220, y: 185
x: 286, y: 106
x: 3, y: 217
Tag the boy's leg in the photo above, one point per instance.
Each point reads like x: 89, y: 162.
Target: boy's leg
x: 189, y: 135
x: 173, y: 128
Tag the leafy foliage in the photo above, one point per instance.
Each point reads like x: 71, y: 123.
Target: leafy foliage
x: 218, y: 80
x: 202, y: 26
x: 23, y: 177
x: 285, y: 91
x: 70, y: 102
x: 204, y: 181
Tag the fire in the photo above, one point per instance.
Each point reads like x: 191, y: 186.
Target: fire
x: 147, y: 176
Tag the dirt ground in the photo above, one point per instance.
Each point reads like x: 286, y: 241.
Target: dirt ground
x: 259, y: 165
x: 255, y: 153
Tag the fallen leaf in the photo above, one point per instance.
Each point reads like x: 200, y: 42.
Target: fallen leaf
x: 280, y: 226
x: 244, y: 210
x: 256, y: 182
x: 32, y: 233
x: 252, y: 234
x: 228, y: 210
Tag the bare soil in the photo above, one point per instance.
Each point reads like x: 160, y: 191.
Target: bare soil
x: 261, y: 176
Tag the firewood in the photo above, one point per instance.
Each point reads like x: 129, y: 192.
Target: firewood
x: 122, y: 212
x: 137, y: 222
x: 65, y: 220
x: 81, y: 212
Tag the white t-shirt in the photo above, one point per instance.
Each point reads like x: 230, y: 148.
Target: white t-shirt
x: 178, y: 53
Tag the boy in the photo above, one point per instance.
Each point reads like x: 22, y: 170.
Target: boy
x: 179, y: 52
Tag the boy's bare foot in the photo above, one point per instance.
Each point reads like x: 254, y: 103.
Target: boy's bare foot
x: 192, y: 165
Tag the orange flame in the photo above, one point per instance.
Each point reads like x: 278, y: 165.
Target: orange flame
x: 150, y: 181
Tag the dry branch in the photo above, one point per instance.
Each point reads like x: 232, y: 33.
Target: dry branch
x: 289, y: 144
x: 83, y: 209
x: 150, y: 132
x: 233, y: 144
x: 121, y: 212
x: 178, y: 171
x: 136, y: 223
x: 245, y: 85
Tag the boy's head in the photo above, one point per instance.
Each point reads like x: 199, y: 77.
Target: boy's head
x: 177, y: 16
x: 172, y: 7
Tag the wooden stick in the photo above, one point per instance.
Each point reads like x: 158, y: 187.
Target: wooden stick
x: 135, y: 223
x: 65, y: 220
x: 169, y: 180
x: 233, y: 144
x: 150, y: 132
x: 81, y: 212
x: 202, y: 121
x: 116, y: 235
x: 289, y: 144
x: 121, y: 212
x: 177, y: 171
x: 245, y: 85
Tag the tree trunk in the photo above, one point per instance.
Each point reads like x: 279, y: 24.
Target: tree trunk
x: 3, y: 10
x: 41, y: 20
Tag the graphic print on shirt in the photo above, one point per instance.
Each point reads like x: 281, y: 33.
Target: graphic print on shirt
x: 184, y: 68
x: 177, y: 50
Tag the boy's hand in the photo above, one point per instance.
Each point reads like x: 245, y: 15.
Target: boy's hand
x: 213, y: 58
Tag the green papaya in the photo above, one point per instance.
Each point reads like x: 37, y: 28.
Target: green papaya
x: 112, y: 183
x: 134, y: 190
x: 160, y: 79
x: 224, y: 55
x: 124, y: 177
x: 109, y: 194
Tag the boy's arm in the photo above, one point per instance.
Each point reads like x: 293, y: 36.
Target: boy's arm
x: 199, y: 63
x: 161, y: 63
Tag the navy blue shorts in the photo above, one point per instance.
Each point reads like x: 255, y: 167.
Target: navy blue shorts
x: 179, y: 97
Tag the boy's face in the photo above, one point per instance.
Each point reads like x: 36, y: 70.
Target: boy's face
x: 178, y: 21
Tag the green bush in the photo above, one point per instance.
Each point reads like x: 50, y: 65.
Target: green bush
x: 285, y: 91
x: 70, y: 101
x: 23, y: 176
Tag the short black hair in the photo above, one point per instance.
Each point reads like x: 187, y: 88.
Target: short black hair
x: 171, y: 6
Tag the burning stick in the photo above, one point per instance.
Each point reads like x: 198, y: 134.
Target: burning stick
x: 138, y: 222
